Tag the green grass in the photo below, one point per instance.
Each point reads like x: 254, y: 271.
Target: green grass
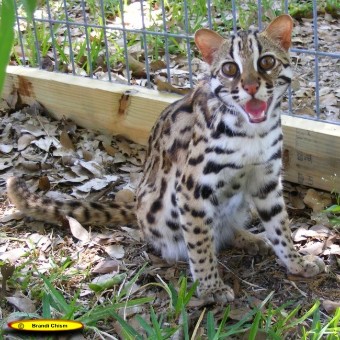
x: 333, y: 212
x: 264, y: 320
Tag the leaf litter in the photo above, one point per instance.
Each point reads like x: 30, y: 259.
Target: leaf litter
x: 112, y: 255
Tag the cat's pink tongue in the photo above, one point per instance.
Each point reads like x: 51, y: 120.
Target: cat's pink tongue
x: 256, y: 110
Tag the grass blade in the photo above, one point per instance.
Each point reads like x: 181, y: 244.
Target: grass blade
x: 62, y: 304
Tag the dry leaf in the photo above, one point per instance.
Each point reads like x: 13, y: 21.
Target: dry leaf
x: 77, y: 230
x: 66, y: 141
x: 45, y: 143
x: 33, y: 130
x: 13, y: 255
x: 115, y: 251
x: 5, y: 148
x: 107, y: 266
x: 134, y: 233
x: 24, y: 141
x: 125, y: 195
x: 97, y: 183
x: 93, y: 167
x: 13, y: 216
x: 317, y: 200
x: 23, y: 304
x: 109, y: 149
x: 167, y: 87
x: 44, y: 183
x: 5, y: 163
x: 330, y: 306
x: 87, y: 155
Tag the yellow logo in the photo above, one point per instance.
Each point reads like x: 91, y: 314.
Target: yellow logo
x: 45, y: 325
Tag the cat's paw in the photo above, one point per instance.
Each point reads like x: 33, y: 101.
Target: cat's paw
x: 307, y: 266
x: 222, y: 294
x: 252, y: 244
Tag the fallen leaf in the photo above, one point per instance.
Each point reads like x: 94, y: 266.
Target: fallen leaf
x: 97, y: 183
x: 66, y: 141
x: 44, y: 183
x: 115, y: 251
x: 330, y: 306
x: 106, y: 281
x: 23, y: 304
x: 125, y: 196
x: 45, y: 143
x: 109, y: 149
x: 33, y: 130
x: 13, y: 255
x: 5, y: 148
x: 77, y: 230
x: 24, y: 141
x: 167, y: 87
x: 93, y: 167
x: 13, y: 216
x: 134, y: 233
x: 5, y: 163
x: 107, y: 266
x: 317, y: 200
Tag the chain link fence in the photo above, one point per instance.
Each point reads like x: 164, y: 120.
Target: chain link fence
x: 149, y: 43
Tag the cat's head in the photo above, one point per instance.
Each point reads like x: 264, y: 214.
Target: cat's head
x: 249, y: 70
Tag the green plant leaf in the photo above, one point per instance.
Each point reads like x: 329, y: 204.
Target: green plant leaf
x: 46, y: 306
x: 7, y: 18
x: 211, y: 325
x: 29, y: 6
x: 63, y: 306
x: 108, y: 283
x: 102, y: 312
x: 333, y: 209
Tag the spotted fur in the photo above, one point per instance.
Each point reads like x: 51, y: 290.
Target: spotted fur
x: 211, y: 155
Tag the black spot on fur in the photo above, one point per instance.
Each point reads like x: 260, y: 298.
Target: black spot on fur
x: 198, y: 213
x: 267, y: 215
x: 173, y: 225
x: 156, y: 206
x: 206, y: 191
x: 194, y: 161
x: 190, y: 183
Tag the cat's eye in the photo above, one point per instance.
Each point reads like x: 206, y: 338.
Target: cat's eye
x: 267, y: 62
x: 230, y: 69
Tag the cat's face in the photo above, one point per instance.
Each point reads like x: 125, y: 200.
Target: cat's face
x: 249, y: 71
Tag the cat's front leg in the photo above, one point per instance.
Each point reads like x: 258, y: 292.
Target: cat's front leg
x: 271, y: 209
x: 196, y: 224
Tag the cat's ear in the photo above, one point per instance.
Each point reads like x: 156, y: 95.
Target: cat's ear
x: 280, y: 30
x: 208, y: 42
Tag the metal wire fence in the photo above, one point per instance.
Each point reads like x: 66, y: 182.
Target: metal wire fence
x: 121, y: 41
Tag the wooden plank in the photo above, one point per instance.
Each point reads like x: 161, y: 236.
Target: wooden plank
x: 311, y: 149
x: 311, y: 153
x: 109, y: 108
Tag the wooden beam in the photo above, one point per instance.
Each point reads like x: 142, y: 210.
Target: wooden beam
x: 109, y: 108
x: 311, y: 153
x: 311, y: 149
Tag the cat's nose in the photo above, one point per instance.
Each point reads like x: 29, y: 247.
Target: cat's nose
x: 251, y: 88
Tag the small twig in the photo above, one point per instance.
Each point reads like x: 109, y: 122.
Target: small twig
x: 244, y: 281
x: 296, y: 287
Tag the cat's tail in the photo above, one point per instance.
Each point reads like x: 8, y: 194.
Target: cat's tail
x: 55, y: 211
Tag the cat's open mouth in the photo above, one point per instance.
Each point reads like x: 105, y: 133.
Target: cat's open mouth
x: 257, y: 110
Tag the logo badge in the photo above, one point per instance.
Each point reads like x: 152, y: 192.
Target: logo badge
x: 46, y: 325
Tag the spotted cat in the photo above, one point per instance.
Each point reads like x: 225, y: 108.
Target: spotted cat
x: 211, y: 155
